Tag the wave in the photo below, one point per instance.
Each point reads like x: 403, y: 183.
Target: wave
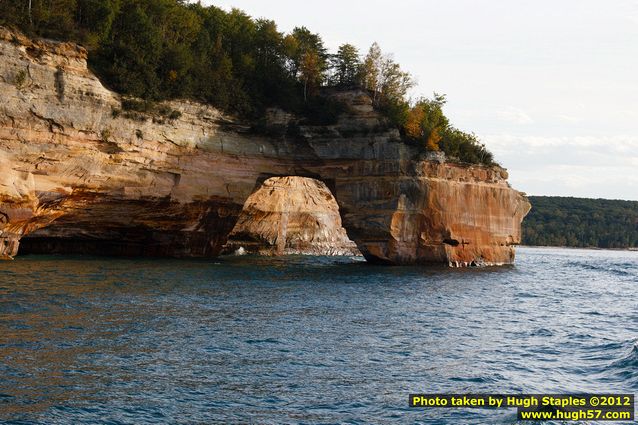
x: 627, y: 367
x: 629, y: 361
x: 619, y: 269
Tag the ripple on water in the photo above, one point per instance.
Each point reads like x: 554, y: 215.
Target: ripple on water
x: 626, y: 368
x: 307, y: 340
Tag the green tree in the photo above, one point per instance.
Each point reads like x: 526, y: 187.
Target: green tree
x: 370, y: 71
x: 394, y: 82
x: 308, y: 59
x: 426, y: 121
x: 310, y: 72
x: 53, y: 18
x: 387, y: 82
x: 14, y: 13
x: 131, y: 57
x: 580, y: 222
x: 179, y: 29
x: 95, y: 18
x: 271, y: 79
x: 465, y: 147
x: 346, y: 64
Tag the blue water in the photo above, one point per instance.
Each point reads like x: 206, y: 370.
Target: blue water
x: 307, y: 340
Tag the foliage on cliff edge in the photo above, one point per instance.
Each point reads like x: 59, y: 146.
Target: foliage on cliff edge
x: 164, y: 49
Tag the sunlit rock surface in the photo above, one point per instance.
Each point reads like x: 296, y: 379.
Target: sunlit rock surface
x: 291, y: 215
x: 77, y: 176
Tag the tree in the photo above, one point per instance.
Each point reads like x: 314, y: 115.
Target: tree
x: 433, y: 140
x: 427, y: 125
x: 384, y: 77
x: 346, y: 64
x: 13, y: 13
x: 394, y: 82
x: 271, y: 79
x: 370, y: 73
x: 309, y: 42
x: 308, y: 59
x: 53, y: 18
x: 131, y: 58
x: 179, y: 29
x: 310, y: 72
x: 95, y: 18
x: 426, y: 122
x: 464, y: 147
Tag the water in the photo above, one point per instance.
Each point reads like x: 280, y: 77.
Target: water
x: 307, y: 340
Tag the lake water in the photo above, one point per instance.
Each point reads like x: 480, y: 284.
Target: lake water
x: 307, y: 340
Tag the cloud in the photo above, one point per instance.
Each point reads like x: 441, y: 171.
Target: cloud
x: 514, y: 115
x: 587, y: 166
x: 569, y: 119
x: 609, y: 182
x: 631, y: 11
x: 604, y: 145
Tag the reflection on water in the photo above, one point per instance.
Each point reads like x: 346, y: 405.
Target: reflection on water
x: 303, y: 340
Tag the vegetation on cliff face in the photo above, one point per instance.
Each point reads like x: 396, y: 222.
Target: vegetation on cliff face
x: 580, y: 222
x: 163, y: 49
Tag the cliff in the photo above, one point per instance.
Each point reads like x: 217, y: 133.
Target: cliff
x: 80, y: 175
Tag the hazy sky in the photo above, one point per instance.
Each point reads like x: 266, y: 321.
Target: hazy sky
x: 550, y: 86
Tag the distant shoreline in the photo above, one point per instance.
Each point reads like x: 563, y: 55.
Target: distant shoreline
x: 581, y: 222
x: 634, y: 249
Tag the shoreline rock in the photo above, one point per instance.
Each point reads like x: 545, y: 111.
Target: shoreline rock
x: 78, y: 177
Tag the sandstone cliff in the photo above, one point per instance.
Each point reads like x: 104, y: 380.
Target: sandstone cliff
x: 291, y: 215
x: 75, y: 176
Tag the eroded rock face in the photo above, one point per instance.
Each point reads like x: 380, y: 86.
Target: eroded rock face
x: 291, y: 215
x: 76, y: 176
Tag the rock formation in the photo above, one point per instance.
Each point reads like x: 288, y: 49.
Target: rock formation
x: 291, y: 215
x: 79, y: 174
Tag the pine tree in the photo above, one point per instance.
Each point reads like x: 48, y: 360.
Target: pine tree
x: 346, y: 64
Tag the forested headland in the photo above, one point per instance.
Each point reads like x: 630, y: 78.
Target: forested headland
x: 581, y: 222
x: 156, y: 50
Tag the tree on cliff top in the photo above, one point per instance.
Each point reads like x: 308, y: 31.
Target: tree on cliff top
x: 347, y: 65
x: 387, y: 83
x: 427, y: 125
x: 380, y: 74
x: 426, y: 122
x: 308, y: 60
x: 164, y: 49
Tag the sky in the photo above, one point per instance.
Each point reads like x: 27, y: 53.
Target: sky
x: 550, y: 86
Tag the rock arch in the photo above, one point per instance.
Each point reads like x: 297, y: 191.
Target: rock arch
x: 78, y: 174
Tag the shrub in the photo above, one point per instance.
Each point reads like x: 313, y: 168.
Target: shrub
x: 20, y: 78
x: 137, y: 105
x: 135, y: 116
x: 105, y: 134
x: 174, y: 115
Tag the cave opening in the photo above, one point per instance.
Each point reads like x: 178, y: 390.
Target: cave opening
x: 290, y: 215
